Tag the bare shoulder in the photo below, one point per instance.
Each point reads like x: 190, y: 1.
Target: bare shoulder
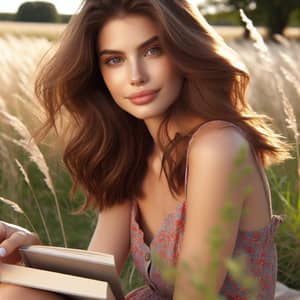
x: 219, y: 142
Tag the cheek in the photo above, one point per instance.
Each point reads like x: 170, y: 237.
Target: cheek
x: 166, y: 73
x: 173, y: 80
x: 113, y: 81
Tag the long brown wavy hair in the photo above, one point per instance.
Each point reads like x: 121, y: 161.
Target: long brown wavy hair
x: 107, y: 149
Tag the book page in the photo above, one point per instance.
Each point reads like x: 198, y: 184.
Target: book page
x: 78, y: 287
x: 60, y: 251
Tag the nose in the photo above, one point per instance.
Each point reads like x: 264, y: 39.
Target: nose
x: 138, y: 75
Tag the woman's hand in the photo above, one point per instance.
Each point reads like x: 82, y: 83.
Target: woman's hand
x: 11, y: 238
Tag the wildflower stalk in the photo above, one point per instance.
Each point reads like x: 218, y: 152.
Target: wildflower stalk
x: 27, y: 180
x: 16, y: 208
x: 27, y: 143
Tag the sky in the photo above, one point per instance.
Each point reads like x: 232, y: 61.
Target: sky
x: 62, y: 6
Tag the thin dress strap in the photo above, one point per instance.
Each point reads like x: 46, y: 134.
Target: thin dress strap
x: 258, y: 163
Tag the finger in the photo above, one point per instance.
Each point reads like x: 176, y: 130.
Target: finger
x: 3, y: 231
x: 16, y: 240
x: 11, y: 228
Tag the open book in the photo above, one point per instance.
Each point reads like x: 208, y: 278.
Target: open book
x: 79, y: 274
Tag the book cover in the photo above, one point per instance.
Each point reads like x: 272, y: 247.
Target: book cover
x: 80, y: 264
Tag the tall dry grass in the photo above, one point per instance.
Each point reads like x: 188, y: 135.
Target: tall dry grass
x: 18, y: 105
x: 279, y: 75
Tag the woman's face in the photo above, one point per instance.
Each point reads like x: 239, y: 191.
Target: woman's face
x: 132, y: 61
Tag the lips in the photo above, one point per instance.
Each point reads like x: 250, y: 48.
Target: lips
x: 142, y: 94
x: 143, y: 97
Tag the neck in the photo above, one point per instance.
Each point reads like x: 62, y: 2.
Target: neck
x: 179, y: 123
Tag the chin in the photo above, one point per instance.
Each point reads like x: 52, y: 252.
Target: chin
x: 144, y: 116
x: 150, y: 114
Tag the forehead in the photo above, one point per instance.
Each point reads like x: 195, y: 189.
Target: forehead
x: 119, y: 31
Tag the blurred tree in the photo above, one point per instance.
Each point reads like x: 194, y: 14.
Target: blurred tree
x: 277, y: 13
x: 37, y: 11
x: 230, y: 5
x: 65, y: 18
x: 274, y: 14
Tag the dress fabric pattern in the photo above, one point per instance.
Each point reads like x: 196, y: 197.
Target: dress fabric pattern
x: 259, y: 247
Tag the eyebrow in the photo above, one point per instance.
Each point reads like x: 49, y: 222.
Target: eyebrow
x: 141, y: 46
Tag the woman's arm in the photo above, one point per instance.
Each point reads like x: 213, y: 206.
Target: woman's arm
x: 112, y: 233
x: 211, y: 165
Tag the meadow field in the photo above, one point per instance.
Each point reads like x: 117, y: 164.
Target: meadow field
x: 34, y: 184
x: 52, y: 31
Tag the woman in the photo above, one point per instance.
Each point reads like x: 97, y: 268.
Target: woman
x: 157, y: 116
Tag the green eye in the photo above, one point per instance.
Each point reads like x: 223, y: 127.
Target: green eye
x: 113, y: 61
x: 154, y: 50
